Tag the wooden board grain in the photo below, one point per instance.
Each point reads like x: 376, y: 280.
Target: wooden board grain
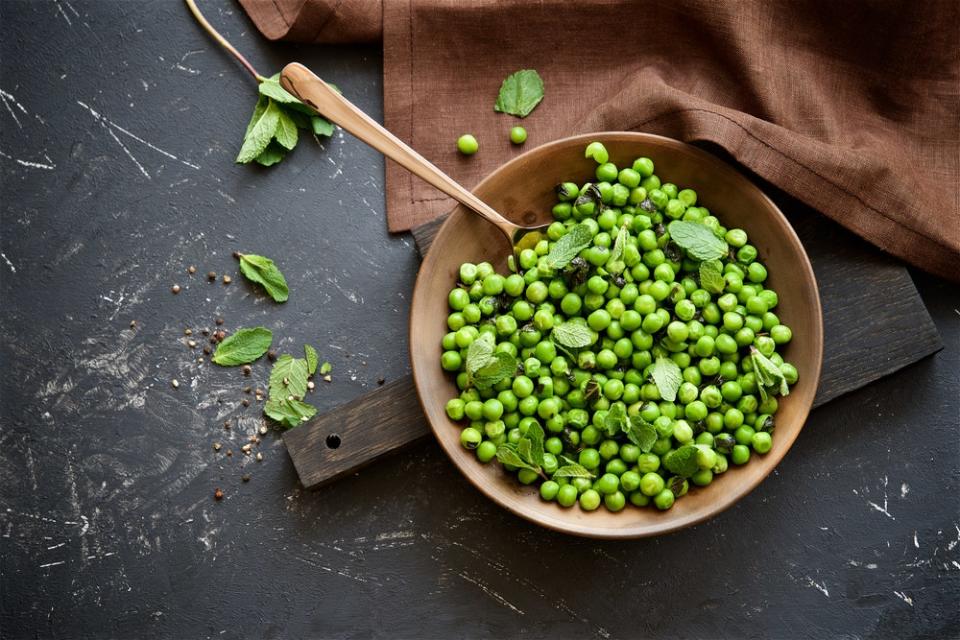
x: 874, y: 324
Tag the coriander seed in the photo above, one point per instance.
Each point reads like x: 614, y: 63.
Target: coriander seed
x: 218, y: 494
x: 247, y: 369
x: 192, y: 344
x: 175, y: 383
x: 219, y: 321
x: 175, y: 289
x: 191, y: 269
x: 310, y: 385
x: 211, y: 275
x: 227, y: 279
x: 188, y: 332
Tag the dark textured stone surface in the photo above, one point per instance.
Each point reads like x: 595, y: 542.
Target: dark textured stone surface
x: 108, y: 526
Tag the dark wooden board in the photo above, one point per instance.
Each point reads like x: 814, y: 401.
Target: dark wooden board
x: 874, y: 324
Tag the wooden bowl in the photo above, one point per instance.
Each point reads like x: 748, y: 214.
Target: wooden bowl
x: 526, y: 184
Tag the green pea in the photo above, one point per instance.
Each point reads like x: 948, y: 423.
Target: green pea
x: 518, y: 135
x: 467, y: 144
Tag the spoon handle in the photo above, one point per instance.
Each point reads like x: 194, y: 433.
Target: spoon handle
x: 316, y: 93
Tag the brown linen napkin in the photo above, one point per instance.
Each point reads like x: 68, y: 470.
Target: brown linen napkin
x: 850, y: 107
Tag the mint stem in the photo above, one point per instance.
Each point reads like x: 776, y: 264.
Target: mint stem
x: 192, y: 5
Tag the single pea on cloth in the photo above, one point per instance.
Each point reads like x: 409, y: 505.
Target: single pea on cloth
x: 852, y: 108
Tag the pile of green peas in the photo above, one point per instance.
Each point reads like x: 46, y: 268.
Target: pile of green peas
x: 653, y: 307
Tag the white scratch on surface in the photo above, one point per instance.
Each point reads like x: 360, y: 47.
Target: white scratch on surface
x: 882, y: 509
x: 953, y: 543
x: 819, y: 586
x: 490, y: 592
x: 110, y: 125
x: 63, y: 13
x: 904, y: 597
x: 916, y: 543
x: 7, y: 98
x: 28, y: 163
x: 53, y: 564
x: 56, y: 546
x: 9, y: 264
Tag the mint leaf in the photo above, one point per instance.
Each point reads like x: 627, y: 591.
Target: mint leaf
x: 573, y: 334
x: 507, y: 454
x: 480, y: 353
x: 246, y: 345
x: 520, y: 93
x: 698, y: 240
x: 666, y: 375
x: 321, y: 126
x: 325, y: 368
x: 288, y: 378
x: 263, y: 271
x: 289, y: 413
x: 711, y: 276
x: 567, y: 247
x: 682, y: 461
x: 768, y: 374
x: 572, y: 470
x: 502, y: 365
x: 615, y: 261
x: 286, y: 132
x: 614, y: 421
x: 270, y: 156
x: 311, y: 356
x: 259, y: 131
x: 641, y: 433
x: 535, y: 436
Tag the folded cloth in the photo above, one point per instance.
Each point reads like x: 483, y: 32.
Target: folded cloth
x: 853, y: 108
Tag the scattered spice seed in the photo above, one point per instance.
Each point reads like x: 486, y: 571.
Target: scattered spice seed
x: 191, y: 269
x: 263, y: 429
x: 227, y: 279
x: 205, y: 332
x: 175, y: 383
x: 226, y: 424
x: 175, y: 289
x: 247, y: 369
x: 188, y: 332
x: 217, y: 446
x: 218, y: 494
x: 207, y: 350
x: 211, y: 276
x: 248, y: 389
x: 380, y: 381
x: 133, y: 324
x: 310, y: 385
x: 192, y: 344
x: 219, y: 321
x: 259, y: 457
x: 271, y: 355
x: 219, y: 335
x: 246, y: 402
x: 245, y: 478
x: 328, y: 378
x: 230, y: 452
x: 246, y: 448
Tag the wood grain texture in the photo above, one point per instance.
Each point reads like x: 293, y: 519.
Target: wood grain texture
x: 339, y: 442
x: 874, y: 324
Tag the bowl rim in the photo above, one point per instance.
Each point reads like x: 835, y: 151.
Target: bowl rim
x: 673, y: 524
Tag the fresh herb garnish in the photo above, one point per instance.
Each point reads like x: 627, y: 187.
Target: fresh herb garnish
x: 325, y: 368
x: 768, y: 374
x: 574, y: 334
x: 711, y: 276
x: 614, y: 421
x: 244, y: 346
x: 572, y: 470
x: 289, y: 413
x: 520, y: 93
x: 682, y: 461
x: 277, y: 116
x: 288, y: 385
x: 566, y: 248
x: 666, y: 375
x: 641, y: 433
x: 615, y: 263
x: 263, y: 271
x: 486, y: 368
x: 698, y: 240
x: 311, y: 356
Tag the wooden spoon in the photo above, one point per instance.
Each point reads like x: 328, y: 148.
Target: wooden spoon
x: 316, y: 93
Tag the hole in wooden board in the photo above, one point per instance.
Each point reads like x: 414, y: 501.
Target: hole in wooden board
x: 333, y: 441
